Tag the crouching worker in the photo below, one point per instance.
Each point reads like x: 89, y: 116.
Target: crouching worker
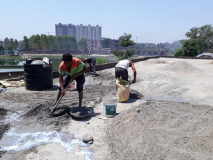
x: 71, y: 68
x: 121, y: 70
x: 123, y: 86
x: 93, y: 61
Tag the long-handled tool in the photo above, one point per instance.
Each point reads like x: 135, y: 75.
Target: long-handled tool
x: 62, y: 95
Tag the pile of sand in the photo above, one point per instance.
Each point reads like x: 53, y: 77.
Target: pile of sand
x: 3, y: 127
x: 41, y: 113
x: 158, y: 61
x: 3, y: 112
x: 181, y: 66
x: 162, y: 130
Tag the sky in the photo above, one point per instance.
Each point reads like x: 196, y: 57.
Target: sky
x: 148, y: 21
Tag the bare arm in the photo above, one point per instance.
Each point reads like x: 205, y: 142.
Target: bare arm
x: 85, y: 69
x: 61, y: 81
x: 134, y: 70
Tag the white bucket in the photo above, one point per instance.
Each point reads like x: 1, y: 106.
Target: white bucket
x: 109, y: 105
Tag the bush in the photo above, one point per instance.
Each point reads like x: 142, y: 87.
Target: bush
x: 190, y: 48
x: 118, y: 53
x: 179, y: 52
x: 100, y: 60
x: 210, y: 50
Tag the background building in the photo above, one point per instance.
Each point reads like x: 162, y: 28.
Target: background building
x: 79, y: 31
x: 6, y: 41
x: 94, y: 46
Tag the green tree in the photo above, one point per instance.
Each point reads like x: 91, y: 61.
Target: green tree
x: 59, y: 42
x: 179, y: 52
x: 126, y: 42
x: 10, y: 47
x: 118, y: 53
x: 191, y: 48
x: 82, y: 44
x: 210, y: 50
x: 26, y: 42
x: 1, y: 48
x: 54, y: 42
x: 16, y: 43
x: 32, y: 42
x: 193, y: 33
x: 73, y: 43
x: 51, y: 42
x: 38, y: 41
x: 12, y: 41
x: 65, y: 45
x: 204, y: 33
x: 100, y: 60
x: 35, y: 42
x: 43, y: 41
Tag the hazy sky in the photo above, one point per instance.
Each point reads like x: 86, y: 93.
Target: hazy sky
x: 152, y: 21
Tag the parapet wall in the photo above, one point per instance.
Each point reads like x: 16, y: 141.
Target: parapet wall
x: 55, y: 52
x: 112, y: 65
x: 9, y: 75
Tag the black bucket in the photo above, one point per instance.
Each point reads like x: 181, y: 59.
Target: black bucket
x: 37, y: 76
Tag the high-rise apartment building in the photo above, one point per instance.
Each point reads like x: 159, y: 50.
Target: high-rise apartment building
x: 79, y: 31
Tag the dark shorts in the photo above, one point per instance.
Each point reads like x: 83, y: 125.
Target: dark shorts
x: 121, y: 73
x: 80, y: 82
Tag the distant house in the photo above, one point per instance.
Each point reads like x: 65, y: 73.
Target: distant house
x: 94, y: 46
x: 6, y: 41
x: 106, y: 51
x: 16, y: 52
x: 7, y: 51
x: 115, y: 44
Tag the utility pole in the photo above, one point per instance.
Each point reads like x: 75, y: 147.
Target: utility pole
x: 49, y: 32
x: 136, y: 39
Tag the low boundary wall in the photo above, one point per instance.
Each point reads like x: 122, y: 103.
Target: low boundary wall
x: 9, y: 75
x: 29, y: 51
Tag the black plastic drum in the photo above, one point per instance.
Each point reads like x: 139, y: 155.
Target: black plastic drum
x: 37, y: 76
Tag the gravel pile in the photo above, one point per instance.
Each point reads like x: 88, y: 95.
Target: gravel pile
x: 158, y: 61
x: 181, y: 66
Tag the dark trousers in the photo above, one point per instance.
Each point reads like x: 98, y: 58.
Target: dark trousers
x: 80, y: 81
x: 121, y: 73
